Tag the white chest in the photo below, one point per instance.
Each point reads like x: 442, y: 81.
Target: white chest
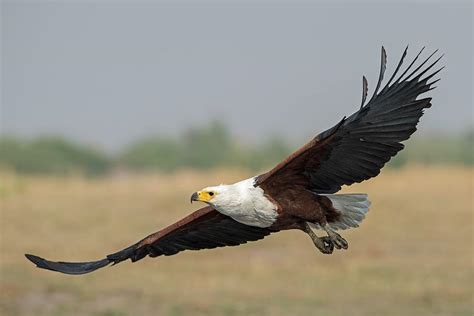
x: 248, y: 205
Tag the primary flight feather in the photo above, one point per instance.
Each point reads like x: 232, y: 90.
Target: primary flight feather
x: 300, y: 192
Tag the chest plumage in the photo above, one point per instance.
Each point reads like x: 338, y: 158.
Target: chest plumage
x: 245, y: 203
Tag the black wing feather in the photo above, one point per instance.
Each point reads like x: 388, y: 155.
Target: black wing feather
x: 383, y: 66
x: 203, y: 229
x: 358, y: 147
x: 370, y: 137
x: 365, y: 90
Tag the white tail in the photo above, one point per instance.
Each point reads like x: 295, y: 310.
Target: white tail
x: 352, y: 207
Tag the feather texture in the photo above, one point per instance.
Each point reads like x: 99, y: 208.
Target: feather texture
x: 358, y: 147
x: 204, y: 229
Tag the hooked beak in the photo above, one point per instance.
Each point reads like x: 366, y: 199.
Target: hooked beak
x: 194, y: 197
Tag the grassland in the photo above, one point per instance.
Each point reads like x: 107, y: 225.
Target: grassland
x: 413, y: 255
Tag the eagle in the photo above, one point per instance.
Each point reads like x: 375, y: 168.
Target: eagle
x: 301, y: 191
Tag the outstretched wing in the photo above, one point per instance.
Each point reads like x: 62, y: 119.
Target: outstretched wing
x: 358, y: 147
x: 204, y: 229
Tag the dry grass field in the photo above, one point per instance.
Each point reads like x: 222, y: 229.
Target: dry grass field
x: 413, y: 255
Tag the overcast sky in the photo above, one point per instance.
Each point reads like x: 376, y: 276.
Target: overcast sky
x: 107, y: 73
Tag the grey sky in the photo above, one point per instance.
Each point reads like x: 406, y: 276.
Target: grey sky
x: 107, y: 73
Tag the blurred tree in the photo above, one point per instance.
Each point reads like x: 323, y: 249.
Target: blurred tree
x: 267, y: 154
x: 51, y: 155
x: 207, y: 147
x: 153, y: 153
x: 436, y: 149
x: 201, y: 148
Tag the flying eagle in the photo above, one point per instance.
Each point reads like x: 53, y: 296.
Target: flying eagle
x: 300, y: 192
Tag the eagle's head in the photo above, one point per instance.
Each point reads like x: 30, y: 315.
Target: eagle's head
x: 227, y: 196
x: 212, y: 195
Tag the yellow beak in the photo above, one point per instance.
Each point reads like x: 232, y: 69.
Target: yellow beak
x: 195, y: 197
x: 202, y: 196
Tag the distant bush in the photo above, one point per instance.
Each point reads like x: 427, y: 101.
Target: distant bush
x: 51, y: 155
x: 207, y: 147
x: 437, y: 149
x: 152, y: 153
x: 201, y: 148
x: 213, y: 146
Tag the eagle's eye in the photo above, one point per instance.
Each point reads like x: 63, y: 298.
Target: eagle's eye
x: 211, y: 193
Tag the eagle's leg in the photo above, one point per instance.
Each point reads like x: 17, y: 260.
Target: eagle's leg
x: 324, y: 244
x: 336, y: 239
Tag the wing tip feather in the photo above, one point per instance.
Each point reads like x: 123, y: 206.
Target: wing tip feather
x: 73, y: 268
x: 365, y: 90
x: 38, y: 261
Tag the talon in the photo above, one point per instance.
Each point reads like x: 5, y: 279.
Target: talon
x: 327, y: 251
x: 340, y: 242
x: 328, y: 245
x: 324, y: 244
x: 345, y: 244
x: 336, y: 239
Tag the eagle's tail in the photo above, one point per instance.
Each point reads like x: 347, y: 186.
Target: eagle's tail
x: 352, y: 208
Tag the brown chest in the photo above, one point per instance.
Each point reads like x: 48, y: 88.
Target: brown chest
x: 297, y: 205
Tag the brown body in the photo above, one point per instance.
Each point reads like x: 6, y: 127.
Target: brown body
x: 288, y: 186
x: 296, y: 206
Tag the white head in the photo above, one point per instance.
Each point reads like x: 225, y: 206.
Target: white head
x: 226, y: 197
x: 218, y: 196
x: 242, y: 201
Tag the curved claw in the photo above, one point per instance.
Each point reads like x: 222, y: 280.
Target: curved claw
x: 328, y: 247
x: 338, y: 241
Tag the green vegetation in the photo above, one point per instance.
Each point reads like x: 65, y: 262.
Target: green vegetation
x: 51, y: 155
x: 208, y: 147
x: 438, y: 149
x: 201, y: 148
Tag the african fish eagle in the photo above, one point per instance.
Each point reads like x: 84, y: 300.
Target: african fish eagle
x: 300, y: 192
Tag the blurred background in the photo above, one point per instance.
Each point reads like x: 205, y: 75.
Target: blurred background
x: 113, y: 113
